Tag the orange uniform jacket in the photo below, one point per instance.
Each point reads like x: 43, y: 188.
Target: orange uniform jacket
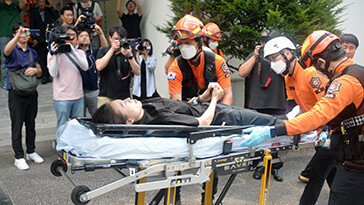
x: 343, y: 91
x: 175, y: 76
x: 305, y: 86
x: 218, y: 52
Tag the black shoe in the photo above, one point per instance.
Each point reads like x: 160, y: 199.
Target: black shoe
x: 258, y: 173
x: 45, y: 80
x: 277, y: 175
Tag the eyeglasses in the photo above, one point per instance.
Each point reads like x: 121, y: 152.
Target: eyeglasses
x: 272, y: 57
x: 216, y: 34
x: 183, y: 34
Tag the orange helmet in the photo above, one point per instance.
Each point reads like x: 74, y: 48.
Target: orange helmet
x: 188, y: 27
x: 314, y: 44
x: 213, y: 31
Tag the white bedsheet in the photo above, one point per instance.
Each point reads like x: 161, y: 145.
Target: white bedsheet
x: 81, y: 141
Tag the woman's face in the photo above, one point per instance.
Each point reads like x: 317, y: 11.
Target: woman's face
x: 129, y: 108
x: 147, y: 45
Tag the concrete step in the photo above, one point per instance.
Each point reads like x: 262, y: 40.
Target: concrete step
x: 44, y: 131
x: 42, y: 108
x: 5, y: 144
x: 43, y: 117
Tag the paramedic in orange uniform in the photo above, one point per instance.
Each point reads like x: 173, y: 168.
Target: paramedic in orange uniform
x: 212, y: 37
x: 305, y: 86
x: 191, y: 72
x: 341, y: 107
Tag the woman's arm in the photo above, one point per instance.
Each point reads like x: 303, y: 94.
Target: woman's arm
x: 207, y: 117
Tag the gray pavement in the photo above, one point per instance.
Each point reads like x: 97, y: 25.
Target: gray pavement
x: 38, y: 186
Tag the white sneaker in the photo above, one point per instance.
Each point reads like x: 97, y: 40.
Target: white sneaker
x: 21, y: 164
x: 35, y: 157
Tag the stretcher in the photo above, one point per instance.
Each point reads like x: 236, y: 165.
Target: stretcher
x: 167, y: 173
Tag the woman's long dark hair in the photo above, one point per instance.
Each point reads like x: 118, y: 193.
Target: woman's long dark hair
x: 107, y: 115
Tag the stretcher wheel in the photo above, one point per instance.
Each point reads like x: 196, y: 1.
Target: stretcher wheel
x: 76, y: 194
x: 54, y: 167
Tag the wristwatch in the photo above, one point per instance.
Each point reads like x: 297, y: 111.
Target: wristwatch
x: 273, y: 132
x: 130, y: 57
x: 196, y: 100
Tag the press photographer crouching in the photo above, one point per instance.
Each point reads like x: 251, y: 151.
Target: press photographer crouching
x: 144, y: 83
x: 65, y: 63
x: 89, y: 77
x: 23, y: 70
x: 115, y: 64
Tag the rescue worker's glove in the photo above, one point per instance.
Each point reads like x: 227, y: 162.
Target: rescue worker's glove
x: 257, y: 136
x: 325, y: 139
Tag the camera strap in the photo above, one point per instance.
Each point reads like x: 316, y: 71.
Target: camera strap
x: 73, y: 61
x: 31, y: 58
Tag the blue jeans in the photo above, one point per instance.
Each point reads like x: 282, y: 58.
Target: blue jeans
x: 3, y: 41
x: 66, y: 109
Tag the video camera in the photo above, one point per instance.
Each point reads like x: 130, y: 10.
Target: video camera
x: 87, y: 22
x: 55, y: 35
x: 175, y: 50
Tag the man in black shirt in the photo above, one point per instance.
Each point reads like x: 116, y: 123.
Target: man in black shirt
x: 172, y: 112
x: 131, y: 20
x: 266, y: 90
x: 39, y: 18
x: 115, y: 64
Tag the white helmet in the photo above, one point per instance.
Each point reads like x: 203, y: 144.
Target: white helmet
x: 277, y: 44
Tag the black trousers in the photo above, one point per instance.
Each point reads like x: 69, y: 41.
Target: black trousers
x: 23, y: 109
x: 42, y: 52
x: 321, y: 164
x: 155, y: 94
x: 329, y: 178
x: 347, y: 187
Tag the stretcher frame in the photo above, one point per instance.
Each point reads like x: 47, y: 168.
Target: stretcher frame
x: 140, y: 170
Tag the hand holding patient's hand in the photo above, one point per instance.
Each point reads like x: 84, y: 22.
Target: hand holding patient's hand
x: 217, y: 92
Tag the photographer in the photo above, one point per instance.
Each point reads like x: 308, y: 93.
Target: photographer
x: 39, y: 18
x: 173, y: 52
x: 144, y: 83
x: 22, y: 106
x: 89, y: 77
x: 10, y: 13
x: 65, y: 62
x: 89, y: 12
x: 115, y: 65
x: 266, y: 89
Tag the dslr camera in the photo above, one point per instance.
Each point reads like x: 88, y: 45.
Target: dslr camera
x: 87, y: 22
x: 141, y: 47
x: 124, y: 44
x: 55, y: 35
x: 175, y: 50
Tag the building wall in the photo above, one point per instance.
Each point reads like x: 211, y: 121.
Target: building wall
x: 353, y: 16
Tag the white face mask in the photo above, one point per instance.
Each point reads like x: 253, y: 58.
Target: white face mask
x: 213, y: 45
x: 187, y: 51
x: 279, y: 66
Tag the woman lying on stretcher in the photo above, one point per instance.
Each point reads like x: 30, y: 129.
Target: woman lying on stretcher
x: 171, y: 112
